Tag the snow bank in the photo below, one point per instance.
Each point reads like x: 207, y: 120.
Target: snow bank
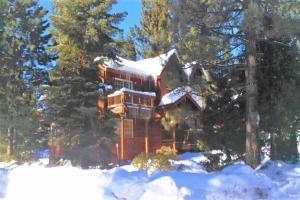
x: 275, y: 180
x: 190, y: 162
x: 3, y: 181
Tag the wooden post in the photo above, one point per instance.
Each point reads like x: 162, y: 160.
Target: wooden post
x: 174, y: 137
x: 122, y: 138
x: 146, y: 135
x: 122, y: 98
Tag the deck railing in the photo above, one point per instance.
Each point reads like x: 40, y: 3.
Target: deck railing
x: 135, y: 104
x: 130, y: 98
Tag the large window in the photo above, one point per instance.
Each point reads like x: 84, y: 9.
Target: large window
x: 120, y: 83
x: 128, y: 128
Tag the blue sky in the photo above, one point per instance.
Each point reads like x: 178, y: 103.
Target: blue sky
x: 132, y: 7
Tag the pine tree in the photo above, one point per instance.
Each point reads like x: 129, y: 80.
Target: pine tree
x: 127, y: 46
x: 23, y: 41
x: 222, y: 119
x: 223, y: 36
x: 82, y: 30
x: 154, y: 35
x: 278, y: 83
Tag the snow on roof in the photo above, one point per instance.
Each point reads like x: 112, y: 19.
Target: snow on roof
x: 104, y: 87
x: 146, y: 67
x: 177, y: 94
x: 42, y: 97
x: 188, y: 68
x: 132, y: 91
x: 172, y: 96
x: 197, y: 99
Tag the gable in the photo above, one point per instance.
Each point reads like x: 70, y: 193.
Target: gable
x: 193, y: 70
x: 178, y: 95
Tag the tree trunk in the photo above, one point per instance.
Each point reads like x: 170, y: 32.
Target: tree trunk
x: 10, y: 142
x: 252, y: 118
x: 294, y: 145
x: 274, y: 148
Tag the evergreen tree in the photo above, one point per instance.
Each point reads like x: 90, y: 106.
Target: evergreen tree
x: 278, y: 83
x: 208, y: 56
x: 127, y: 47
x: 223, y: 36
x: 22, y: 48
x: 82, y: 30
x: 154, y: 35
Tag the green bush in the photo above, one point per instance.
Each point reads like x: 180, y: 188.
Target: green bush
x: 152, y: 162
x: 201, y: 146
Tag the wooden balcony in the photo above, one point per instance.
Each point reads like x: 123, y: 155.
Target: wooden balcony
x: 132, y: 103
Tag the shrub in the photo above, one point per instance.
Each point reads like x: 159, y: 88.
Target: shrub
x: 140, y: 161
x: 167, y: 151
x: 201, y: 146
x: 152, y: 162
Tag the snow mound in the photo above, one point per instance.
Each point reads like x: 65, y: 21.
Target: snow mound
x: 3, y: 180
x: 273, y: 181
x: 190, y: 162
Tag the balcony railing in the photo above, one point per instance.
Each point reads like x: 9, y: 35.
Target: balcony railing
x: 137, y: 104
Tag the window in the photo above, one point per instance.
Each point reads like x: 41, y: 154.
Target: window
x: 147, y: 101
x: 127, y: 84
x: 133, y: 112
x: 136, y: 99
x: 128, y: 128
x: 128, y: 98
x: 120, y: 83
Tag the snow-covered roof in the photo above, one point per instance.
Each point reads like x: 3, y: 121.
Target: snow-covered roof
x: 172, y: 96
x: 146, y: 67
x: 188, y: 69
x: 177, y: 94
x: 104, y: 87
x: 152, y: 94
x: 42, y: 97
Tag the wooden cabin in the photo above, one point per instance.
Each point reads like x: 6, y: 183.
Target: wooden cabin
x: 139, y: 93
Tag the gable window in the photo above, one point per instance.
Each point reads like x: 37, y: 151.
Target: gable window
x: 120, y: 83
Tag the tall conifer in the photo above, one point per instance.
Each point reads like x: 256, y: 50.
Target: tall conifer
x: 23, y: 40
x: 154, y: 35
x: 82, y: 30
x: 226, y: 35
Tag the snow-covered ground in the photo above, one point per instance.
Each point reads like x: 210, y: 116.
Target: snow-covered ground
x: 275, y: 180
